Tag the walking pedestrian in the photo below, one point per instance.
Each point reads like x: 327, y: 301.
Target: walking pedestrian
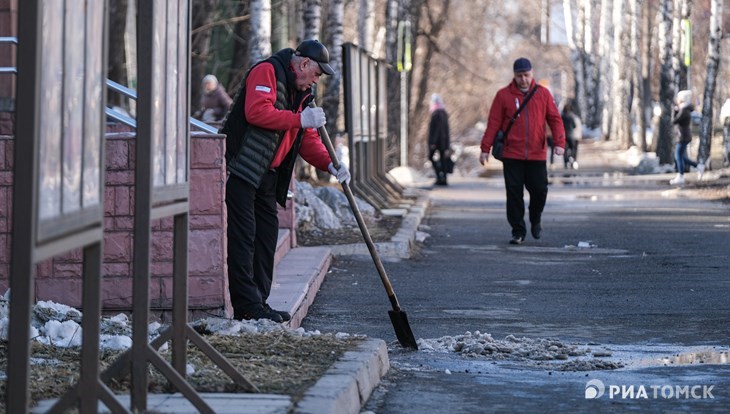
x: 572, y: 125
x: 438, y: 139
x: 683, y: 118
x: 269, y: 124
x: 524, y: 155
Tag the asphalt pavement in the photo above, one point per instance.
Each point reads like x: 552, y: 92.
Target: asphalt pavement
x: 626, y: 263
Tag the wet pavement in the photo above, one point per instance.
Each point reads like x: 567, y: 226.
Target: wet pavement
x: 649, y: 294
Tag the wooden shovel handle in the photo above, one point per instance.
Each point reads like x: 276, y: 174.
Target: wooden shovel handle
x: 358, y: 216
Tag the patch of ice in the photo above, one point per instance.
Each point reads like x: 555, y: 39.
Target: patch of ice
x: 115, y: 342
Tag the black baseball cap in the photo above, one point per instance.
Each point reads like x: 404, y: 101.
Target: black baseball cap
x: 318, y: 53
x: 521, y: 65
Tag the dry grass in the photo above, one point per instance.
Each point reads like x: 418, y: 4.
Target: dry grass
x: 276, y: 362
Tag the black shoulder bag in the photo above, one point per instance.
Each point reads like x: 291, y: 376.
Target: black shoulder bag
x: 498, y: 145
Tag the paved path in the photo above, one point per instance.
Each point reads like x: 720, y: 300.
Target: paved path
x: 652, y: 293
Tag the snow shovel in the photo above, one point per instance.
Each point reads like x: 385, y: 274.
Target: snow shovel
x: 397, y: 316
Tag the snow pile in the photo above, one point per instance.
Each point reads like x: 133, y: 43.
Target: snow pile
x: 512, y: 348
x: 59, y: 325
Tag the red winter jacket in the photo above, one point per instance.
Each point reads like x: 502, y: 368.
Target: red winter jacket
x: 527, y: 137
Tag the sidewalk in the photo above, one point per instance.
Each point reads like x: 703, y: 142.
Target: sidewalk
x: 299, y: 273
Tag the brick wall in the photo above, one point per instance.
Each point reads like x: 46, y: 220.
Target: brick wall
x: 59, y: 278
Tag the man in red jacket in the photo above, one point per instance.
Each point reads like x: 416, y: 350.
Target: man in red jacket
x: 269, y: 124
x: 524, y: 153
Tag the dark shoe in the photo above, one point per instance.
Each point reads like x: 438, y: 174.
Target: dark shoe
x: 536, y: 230
x: 517, y: 240
x: 262, y: 313
x: 284, y: 314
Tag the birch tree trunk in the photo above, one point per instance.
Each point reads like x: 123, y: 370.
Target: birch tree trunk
x: 622, y: 75
x: 366, y: 24
x: 605, y: 67
x: 638, y: 104
x: 666, y: 85
x: 312, y: 19
x: 585, y: 16
x: 591, y: 71
x: 575, y: 41
x: 681, y: 71
x: 333, y: 41
x: 279, y: 24
x: 391, y: 54
x: 260, y: 43
x: 646, y: 42
x: 713, y: 67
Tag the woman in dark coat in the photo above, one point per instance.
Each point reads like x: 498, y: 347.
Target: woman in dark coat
x: 438, y: 139
x: 683, y: 118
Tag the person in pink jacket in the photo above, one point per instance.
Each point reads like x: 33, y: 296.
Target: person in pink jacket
x: 525, y: 146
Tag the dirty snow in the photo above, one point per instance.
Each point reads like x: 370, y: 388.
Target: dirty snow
x: 511, y: 348
x: 59, y: 325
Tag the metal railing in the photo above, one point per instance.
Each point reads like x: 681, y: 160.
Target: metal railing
x: 8, y: 69
x: 131, y: 122
x: 116, y: 87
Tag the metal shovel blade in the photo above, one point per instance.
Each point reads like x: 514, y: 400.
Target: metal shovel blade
x: 402, y: 329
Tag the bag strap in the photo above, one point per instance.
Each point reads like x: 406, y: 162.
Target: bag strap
x: 524, y: 104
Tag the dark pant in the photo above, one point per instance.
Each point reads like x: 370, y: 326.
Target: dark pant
x: 439, y: 167
x: 520, y: 175
x: 681, y: 159
x: 253, y: 229
x: 571, y: 151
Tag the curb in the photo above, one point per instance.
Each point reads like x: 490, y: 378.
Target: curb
x: 401, y: 245
x: 347, y: 385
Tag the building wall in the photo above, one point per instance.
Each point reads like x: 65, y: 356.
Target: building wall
x: 8, y: 28
x: 59, y: 278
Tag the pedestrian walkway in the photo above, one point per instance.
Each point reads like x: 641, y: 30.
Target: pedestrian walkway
x: 299, y: 273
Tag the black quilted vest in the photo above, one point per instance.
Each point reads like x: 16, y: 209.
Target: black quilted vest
x: 251, y: 149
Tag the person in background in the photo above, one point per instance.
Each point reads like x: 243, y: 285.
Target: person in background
x: 524, y: 155
x: 683, y: 118
x: 725, y: 119
x: 572, y: 125
x: 215, y: 102
x: 438, y: 138
x: 269, y: 125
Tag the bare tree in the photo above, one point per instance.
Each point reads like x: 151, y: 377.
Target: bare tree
x: 202, y: 16
x: 683, y: 10
x: 638, y: 102
x: 333, y: 40
x: 117, y: 68
x: 436, y: 18
x: 279, y: 24
x: 713, y: 67
x: 366, y: 24
x: 312, y: 17
x: 260, y: 43
x: 241, y: 40
x: 666, y: 85
x: 622, y: 75
x: 605, y: 67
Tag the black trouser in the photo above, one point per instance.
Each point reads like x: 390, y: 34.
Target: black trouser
x: 253, y: 229
x: 530, y: 175
x: 439, y: 166
x: 571, y: 150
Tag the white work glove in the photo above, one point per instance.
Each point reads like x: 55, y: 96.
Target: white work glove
x: 313, y: 117
x: 559, y: 151
x: 483, y: 158
x: 342, y: 175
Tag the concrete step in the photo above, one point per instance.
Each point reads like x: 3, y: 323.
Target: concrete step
x: 297, y: 278
x: 283, y: 245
